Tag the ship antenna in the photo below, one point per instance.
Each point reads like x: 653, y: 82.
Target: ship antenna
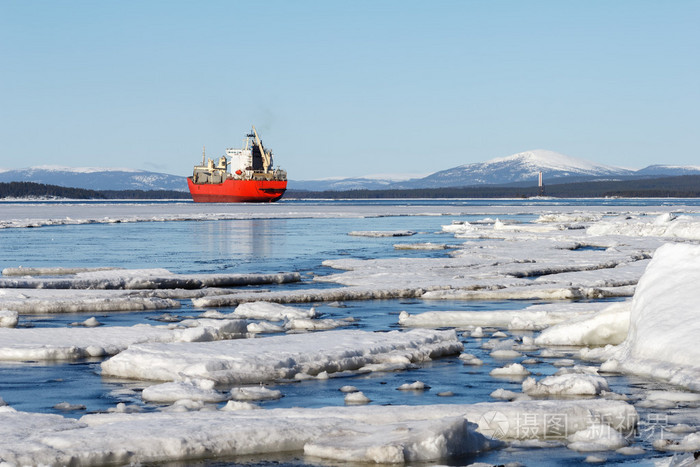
x: 204, y: 159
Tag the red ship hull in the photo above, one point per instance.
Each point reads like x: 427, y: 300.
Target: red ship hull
x: 237, y: 191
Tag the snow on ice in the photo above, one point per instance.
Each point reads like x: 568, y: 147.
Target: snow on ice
x: 569, y: 384
x: 608, y: 326
x: 41, y: 301
x: 663, y: 321
x: 109, y: 289
x: 383, y: 233
x: 531, y: 318
x: 23, y: 344
x: 376, y: 434
x: 52, y: 214
x: 274, y: 358
x: 271, y: 311
x: 561, y: 256
x: 137, y: 279
x: 8, y: 319
x: 195, y: 390
x: 666, y: 225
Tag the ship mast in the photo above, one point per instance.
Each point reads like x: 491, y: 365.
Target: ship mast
x: 265, y: 156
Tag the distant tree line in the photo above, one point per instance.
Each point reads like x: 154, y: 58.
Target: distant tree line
x: 145, y: 194
x: 686, y: 186
x: 40, y: 190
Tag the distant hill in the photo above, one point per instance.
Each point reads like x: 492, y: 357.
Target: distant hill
x: 93, y: 178
x: 518, y: 169
x: 667, y: 171
x: 521, y: 167
x: 357, y: 183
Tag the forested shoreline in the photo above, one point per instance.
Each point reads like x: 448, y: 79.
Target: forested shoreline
x: 687, y: 186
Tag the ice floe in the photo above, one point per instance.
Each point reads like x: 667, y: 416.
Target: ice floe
x: 53, y: 214
x: 111, y: 289
x: 356, y: 398
x: 597, y: 437
x: 531, y: 318
x: 568, y: 384
x: 663, y: 321
x: 306, y: 324
x: 281, y: 357
x: 8, y: 318
x: 421, y: 246
x: 666, y: 225
x: 395, y: 434
x: 511, y: 370
x: 415, y: 386
x: 688, y: 443
x: 271, y: 311
x: 382, y: 233
x: 68, y: 407
x: 255, y: 393
x: 42, y: 301
x: 556, y: 258
x: 608, y: 326
x: 198, y: 389
x: 23, y: 344
x: 49, y: 271
x: 137, y: 279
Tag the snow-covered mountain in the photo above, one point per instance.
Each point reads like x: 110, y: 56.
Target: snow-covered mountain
x: 94, y: 178
x: 521, y: 167
x: 668, y: 170
x: 369, y: 182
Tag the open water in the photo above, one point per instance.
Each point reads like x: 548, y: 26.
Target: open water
x: 268, y: 246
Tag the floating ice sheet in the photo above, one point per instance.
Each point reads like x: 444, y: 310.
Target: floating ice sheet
x: 281, y: 357
x: 42, y: 301
x: 271, y: 311
x: 48, y: 271
x: 145, y: 279
x: 8, y: 319
x: 381, y: 233
x: 80, y: 342
x: 567, y: 384
x: 394, y: 434
x: 665, y: 225
x: 531, y: 318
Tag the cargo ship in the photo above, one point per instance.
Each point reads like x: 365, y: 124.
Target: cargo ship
x: 242, y: 175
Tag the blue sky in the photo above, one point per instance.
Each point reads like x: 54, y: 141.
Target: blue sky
x: 348, y: 88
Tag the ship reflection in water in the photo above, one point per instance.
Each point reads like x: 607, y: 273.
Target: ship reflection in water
x: 239, y: 244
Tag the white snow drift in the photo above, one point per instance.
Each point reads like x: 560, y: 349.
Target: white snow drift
x: 664, y: 321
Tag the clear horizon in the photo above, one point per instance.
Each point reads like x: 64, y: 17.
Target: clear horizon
x: 341, y: 89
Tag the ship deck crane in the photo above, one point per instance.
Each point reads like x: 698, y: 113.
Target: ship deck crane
x: 265, y: 155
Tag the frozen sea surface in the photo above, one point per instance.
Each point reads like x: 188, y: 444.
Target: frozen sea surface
x: 497, y: 273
